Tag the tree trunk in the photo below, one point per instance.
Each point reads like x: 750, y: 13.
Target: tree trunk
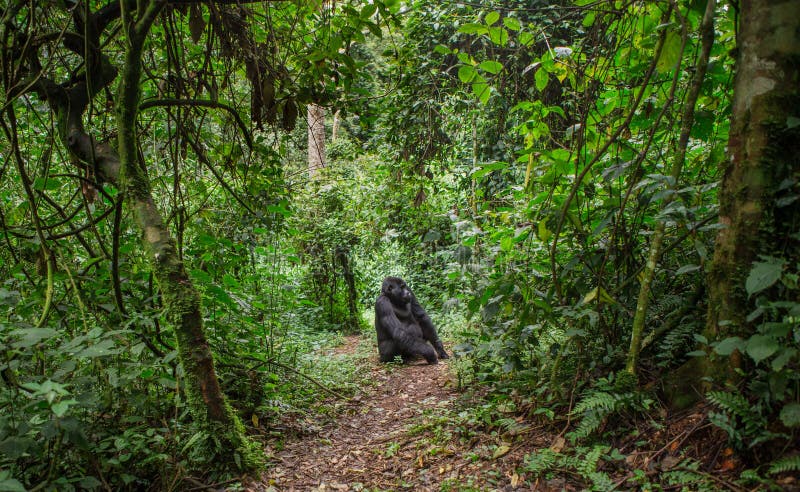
x: 687, y: 121
x: 316, y: 139
x: 764, y: 151
x: 123, y: 167
x: 337, y: 121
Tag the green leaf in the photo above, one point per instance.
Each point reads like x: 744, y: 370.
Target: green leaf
x: 670, y: 53
x: 31, y: 336
x: 11, y: 485
x: 60, y: 408
x: 466, y: 73
x: 759, y: 347
x: 471, y: 28
x: 790, y: 414
x: 368, y: 10
x: 100, y: 349
x: 492, y: 17
x: 491, y: 66
x: 687, y: 269
x: 512, y: 23
x: 783, y: 358
x: 588, y: 20
x: 500, y: 451
x: 763, y: 275
x: 498, y: 36
x: 544, y: 233
x: 488, y: 168
x: 230, y: 281
x: 727, y: 346
x: 442, y: 49
x: 525, y: 38
x: 482, y: 91
x: 542, y: 78
x: 48, y: 184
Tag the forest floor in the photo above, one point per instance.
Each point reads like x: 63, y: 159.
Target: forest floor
x: 407, y: 427
x: 397, y: 434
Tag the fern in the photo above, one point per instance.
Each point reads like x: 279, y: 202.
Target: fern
x: 686, y: 476
x: 733, y: 403
x: 744, y: 423
x: 597, y: 401
x: 584, y: 462
x: 786, y: 464
x: 599, y: 404
x: 591, y: 458
x: 540, y: 461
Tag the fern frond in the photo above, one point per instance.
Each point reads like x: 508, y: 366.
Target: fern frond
x: 785, y: 464
x: 733, y: 403
x: 597, y: 400
x: 540, y: 461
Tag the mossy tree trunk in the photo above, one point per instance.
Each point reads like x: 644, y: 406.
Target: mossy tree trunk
x: 316, y: 139
x: 206, y: 401
x: 764, y: 157
x: 687, y: 121
x: 123, y: 166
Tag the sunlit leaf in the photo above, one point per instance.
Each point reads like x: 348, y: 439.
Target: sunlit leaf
x: 670, y: 53
x: 492, y: 17
x: 512, y: 23
x: 491, y: 66
x: 466, y: 73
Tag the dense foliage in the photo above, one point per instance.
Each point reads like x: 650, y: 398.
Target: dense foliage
x: 545, y: 175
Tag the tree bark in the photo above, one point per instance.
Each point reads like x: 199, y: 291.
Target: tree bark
x: 182, y: 303
x: 687, y: 121
x: 316, y: 139
x: 337, y: 121
x: 764, y: 153
x: 122, y: 166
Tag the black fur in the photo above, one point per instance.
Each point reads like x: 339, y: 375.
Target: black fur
x: 403, y: 326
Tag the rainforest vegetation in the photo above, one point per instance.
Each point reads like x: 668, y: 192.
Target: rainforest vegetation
x: 596, y: 202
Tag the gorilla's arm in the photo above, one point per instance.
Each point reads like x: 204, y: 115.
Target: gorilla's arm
x: 428, y: 330
x: 391, y: 328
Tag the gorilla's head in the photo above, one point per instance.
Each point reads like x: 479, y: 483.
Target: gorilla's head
x: 396, y: 290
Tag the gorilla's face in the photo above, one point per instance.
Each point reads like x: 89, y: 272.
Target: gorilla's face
x: 396, y: 290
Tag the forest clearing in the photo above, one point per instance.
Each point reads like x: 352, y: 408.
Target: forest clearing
x: 399, y: 245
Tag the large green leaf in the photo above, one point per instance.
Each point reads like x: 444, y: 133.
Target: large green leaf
x: 759, y: 347
x: 542, y: 78
x: 492, y: 17
x: 790, y: 414
x: 727, y: 346
x: 31, y: 336
x: 670, y: 53
x: 491, y: 66
x: 466, y: 73
x: 763, y: 275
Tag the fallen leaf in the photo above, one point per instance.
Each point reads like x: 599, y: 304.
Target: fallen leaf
x: 500, y: 451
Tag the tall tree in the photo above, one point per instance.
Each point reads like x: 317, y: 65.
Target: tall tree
x: 123, y: 165
x: 763, y: 168
x: 316, y: 139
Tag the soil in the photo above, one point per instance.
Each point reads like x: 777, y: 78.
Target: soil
x: 387, y: 438
x: 404, y: 431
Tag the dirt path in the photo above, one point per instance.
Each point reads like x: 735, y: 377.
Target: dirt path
x: 369, y: 445
x: 399, y: 434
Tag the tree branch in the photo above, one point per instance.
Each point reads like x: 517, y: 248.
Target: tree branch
x: 205, y: 103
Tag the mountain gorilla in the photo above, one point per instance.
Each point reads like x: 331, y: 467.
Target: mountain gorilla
x: 403, y: 326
